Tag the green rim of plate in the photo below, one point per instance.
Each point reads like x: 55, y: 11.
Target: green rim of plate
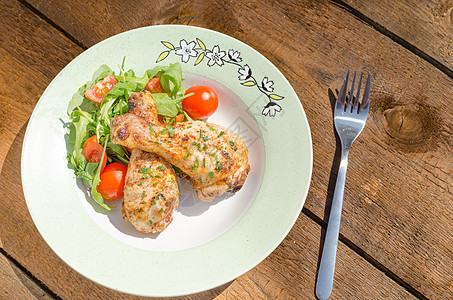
x: 77, y: 239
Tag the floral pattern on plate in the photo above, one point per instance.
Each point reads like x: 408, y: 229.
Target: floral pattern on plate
x: 215, y: 56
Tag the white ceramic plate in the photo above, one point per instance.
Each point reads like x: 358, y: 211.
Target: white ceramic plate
x: 207, y: 244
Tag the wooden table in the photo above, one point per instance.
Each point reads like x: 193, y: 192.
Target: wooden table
x: 396, y: 234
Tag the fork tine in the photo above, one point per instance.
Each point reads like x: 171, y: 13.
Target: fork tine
x: 357, y: 97
x: 342, y: 94
x: 351, y: 95
x: 365, y: 105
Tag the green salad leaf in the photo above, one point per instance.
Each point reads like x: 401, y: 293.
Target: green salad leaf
x: 89, y: 118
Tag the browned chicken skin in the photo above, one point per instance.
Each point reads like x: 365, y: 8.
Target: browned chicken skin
x: 151, y: 192
x: 215, y: 159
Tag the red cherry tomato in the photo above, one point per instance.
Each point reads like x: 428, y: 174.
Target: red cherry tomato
x: 155, y: 86
x: 112, y: 181
x: 179, y: 118
x: 202, y: 103
x: 92, y: 151
x: 100, y: 89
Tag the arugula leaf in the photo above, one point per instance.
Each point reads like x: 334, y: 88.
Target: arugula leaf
x: 89, y: 118
x: 79, y: 99
x: 96, y: 180
x: 100, y: 74
x: 171, y: 78
x: 165, y: 106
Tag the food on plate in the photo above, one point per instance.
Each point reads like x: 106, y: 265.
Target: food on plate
x: 215, y: 159
x: 147, y: 123
x: 151, y: 192
x: 112, y: 180
x: 202, y: 102
x: 101, y: 89
x: 92, y: 151
x: 105, y: 96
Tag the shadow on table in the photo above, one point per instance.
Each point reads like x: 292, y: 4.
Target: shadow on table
x: 332, y: 181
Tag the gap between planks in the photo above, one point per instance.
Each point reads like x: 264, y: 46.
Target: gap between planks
x: 381, y: 29
x: 52, y: 23
x: 30, y: 276
x: 402, y: 42
x: 366, y: 256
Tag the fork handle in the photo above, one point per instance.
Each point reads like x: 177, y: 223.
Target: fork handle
x: 329, y: 251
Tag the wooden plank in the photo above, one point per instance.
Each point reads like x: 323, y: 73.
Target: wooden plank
x: 398, y: 199
x: 11, y: 287
x: 428, y: 25
x: 13, y: 280
x: 395, y: 218
x: 289, y: 272
x: 298, y: 253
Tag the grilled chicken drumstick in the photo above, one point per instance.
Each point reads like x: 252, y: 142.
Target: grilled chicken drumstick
x: 151, y: 192
x: 215, y: 159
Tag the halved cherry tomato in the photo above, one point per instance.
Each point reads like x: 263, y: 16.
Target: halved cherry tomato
x: 112, y: 181
x: 202, y: 103
x: 100, y: 89
x: 92, y: 151
x: 179, y: 118
x: 155, y: 86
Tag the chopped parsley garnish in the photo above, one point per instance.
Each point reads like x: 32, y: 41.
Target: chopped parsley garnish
x: 162, y: 168
x: 170, y: 129
x: 195, y: 164
x: 140, y: 210
x: 233, y: 145
x: 202, y: 136
x: 209, y: 127
x: 220, y: 134
x: 187, y: 155
x: 140, y: 183
x: 157, y: 143
x: 150, y: 222
x: 162, y: 209
x: 198, y: 145
x: 151, y: 128
x: 211, y: 174
x: 145, y: 170
x: 153, y: 203
x: 219, y: 166
x: 199, y: 180
x: 204, y: 162
x: 155, y: 183
x: 143, y: 196
x: 190, y: 126
x: 144, y: 176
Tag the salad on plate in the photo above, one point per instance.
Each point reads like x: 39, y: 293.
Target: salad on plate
x: 133, y: 135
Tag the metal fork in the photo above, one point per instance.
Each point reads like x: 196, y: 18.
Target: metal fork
x: 349, y: 118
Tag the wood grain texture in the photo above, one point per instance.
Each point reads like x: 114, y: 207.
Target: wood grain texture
x: 428, y: 25
x: 14, y: 279
x: 268, y: 280
x: 11, y: 286
x: 398, y: 201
